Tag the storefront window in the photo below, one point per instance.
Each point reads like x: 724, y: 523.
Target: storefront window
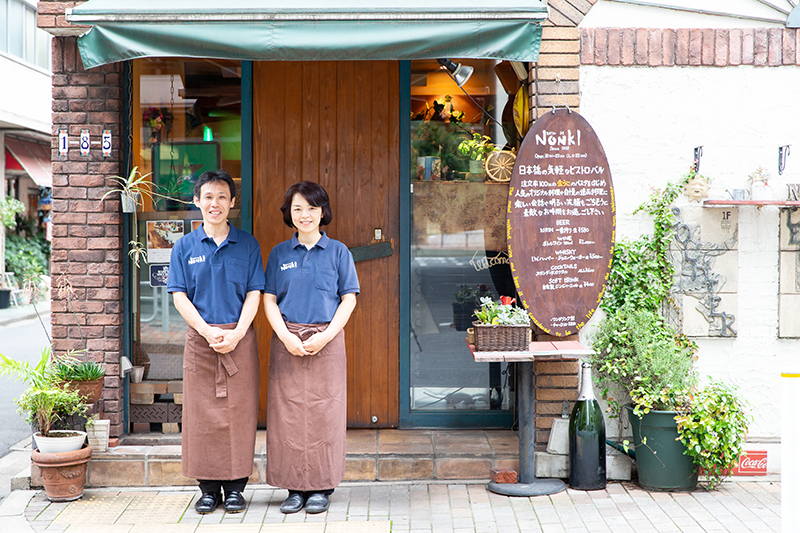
x: 458, y: 234
x: 186, y: 120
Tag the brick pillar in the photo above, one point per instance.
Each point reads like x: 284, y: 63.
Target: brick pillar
x: 554, y: 80
x: 86, y: 248
x: 556, y: 383
x: 51, y: 17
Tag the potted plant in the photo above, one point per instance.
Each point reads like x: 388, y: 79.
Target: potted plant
x: 9, y: 209
x: 476, y: 149
x: 86, y: 377
x: 60, y: 454
x: 678, y: 424
x: 501, y: 326
x: 131, y: 189
x: 465, y: 303
x: 97, y: 432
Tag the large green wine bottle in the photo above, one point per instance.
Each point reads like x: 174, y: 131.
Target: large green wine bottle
x: 587, y: 439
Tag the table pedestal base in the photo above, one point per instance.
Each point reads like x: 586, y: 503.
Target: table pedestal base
x: 539, y: 487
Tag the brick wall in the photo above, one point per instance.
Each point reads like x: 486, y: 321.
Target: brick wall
x: 556, y: 382
x: 50, y: 17
x: 760, y: 47
x: 86, y: 246
x: 554, y: 78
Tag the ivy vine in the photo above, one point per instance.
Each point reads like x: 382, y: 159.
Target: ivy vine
x: 637, y: 352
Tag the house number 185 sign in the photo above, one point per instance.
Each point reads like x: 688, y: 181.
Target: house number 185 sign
x: 560, y: 224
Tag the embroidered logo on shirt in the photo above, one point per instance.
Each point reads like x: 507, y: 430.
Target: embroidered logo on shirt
x: 286, y: 266
x: 198, y: 259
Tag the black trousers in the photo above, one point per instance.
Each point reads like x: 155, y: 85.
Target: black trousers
x: 215, y: 485
x: 308, y: 493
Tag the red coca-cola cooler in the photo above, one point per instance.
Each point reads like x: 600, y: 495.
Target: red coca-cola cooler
x: 753, y: 463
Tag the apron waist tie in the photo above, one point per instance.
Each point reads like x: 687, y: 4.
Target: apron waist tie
x: 225, y: 367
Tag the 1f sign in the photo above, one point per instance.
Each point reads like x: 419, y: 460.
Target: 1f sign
x: 63, y: 143
x: 84, y: 143
x: 106, y: 143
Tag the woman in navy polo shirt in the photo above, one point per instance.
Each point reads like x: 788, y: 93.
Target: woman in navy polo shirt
x: 310, y: 294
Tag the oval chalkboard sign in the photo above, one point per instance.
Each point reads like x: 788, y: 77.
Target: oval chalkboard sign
x: 561, y: 218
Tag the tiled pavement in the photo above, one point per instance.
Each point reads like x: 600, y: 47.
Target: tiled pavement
x: 411, y: 507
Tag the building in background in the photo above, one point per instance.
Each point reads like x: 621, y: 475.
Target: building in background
x: 654, y: 82
x: 25, y: 111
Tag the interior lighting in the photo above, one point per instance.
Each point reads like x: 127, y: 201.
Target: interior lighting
x: 460, y: 73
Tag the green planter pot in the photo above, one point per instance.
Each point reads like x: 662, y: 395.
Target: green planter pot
x: 5, y: 298
x: 462, y: 315
x: 660, y: 461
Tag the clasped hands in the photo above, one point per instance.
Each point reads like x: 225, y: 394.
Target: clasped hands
x: 311, y: 346
x: 222, y: 340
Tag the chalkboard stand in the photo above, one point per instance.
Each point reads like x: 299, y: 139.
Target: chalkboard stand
x: 529, y: 484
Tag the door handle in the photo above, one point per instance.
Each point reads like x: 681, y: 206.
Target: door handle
x: 372, y: 251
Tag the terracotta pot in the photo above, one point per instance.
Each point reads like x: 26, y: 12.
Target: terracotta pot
x: 64, y: 473
x: 90, y: 390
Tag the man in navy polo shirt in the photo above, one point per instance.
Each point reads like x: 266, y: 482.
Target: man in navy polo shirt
x: 216, y: 279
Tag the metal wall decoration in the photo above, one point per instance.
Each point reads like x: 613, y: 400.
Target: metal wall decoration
x: 695, y: 275
x: 794, y: 238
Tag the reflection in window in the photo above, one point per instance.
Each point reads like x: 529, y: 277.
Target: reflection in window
x: 19, y: 36
x: 186, y: 121
x: 459, y: 250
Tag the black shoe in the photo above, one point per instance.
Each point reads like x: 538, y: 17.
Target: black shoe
x: 234, y: 502
x: 317, y: 503
x: 208, y: 502
x: 293, y: 503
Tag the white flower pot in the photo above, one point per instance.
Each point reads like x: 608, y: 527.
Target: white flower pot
x: 98, y: 432
x: 130, y: 201
x: 759, y: 191
x: 137, y: 373
x: 58, y: 442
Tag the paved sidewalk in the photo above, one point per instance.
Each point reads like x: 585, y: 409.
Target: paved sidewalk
x: 418, y: 507
x: 14, y: 314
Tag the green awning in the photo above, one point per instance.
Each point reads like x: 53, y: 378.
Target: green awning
x: 309, y: 30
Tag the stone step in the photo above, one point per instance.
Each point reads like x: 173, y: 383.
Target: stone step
x: 152, y: 460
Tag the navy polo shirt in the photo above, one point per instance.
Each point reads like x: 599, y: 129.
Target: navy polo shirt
x: 216, y: 278
x: 309, y: 284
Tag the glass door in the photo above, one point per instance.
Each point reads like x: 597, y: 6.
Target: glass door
x: 458, y: 243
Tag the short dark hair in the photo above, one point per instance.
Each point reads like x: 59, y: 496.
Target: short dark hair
x: 214, y: 177
x: 314, y: 194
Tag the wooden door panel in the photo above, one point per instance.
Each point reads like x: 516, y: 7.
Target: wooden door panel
x: 337, y: 123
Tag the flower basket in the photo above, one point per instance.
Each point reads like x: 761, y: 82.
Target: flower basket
x: 501, y: 337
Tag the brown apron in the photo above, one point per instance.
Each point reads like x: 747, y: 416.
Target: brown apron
x: 220, y: 408
x: 307, y: 414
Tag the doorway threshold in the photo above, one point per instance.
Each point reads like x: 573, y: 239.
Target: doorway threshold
x: 154, y: 459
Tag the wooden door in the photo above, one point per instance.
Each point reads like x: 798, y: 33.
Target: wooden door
x: 337, y: 123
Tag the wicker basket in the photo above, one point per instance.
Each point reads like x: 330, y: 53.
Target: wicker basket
x: 502, y: 338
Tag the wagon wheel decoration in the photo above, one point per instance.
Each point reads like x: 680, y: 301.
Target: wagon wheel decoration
x: 500, y: 165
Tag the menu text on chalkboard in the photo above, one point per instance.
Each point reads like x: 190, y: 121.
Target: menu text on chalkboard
x: 561, y: 222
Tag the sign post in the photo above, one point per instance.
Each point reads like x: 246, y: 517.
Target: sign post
x: 560, y: 230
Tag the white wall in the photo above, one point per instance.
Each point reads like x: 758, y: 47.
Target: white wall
x: 741, y: 14
x: 649, y: 120
x: 25, y: 96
